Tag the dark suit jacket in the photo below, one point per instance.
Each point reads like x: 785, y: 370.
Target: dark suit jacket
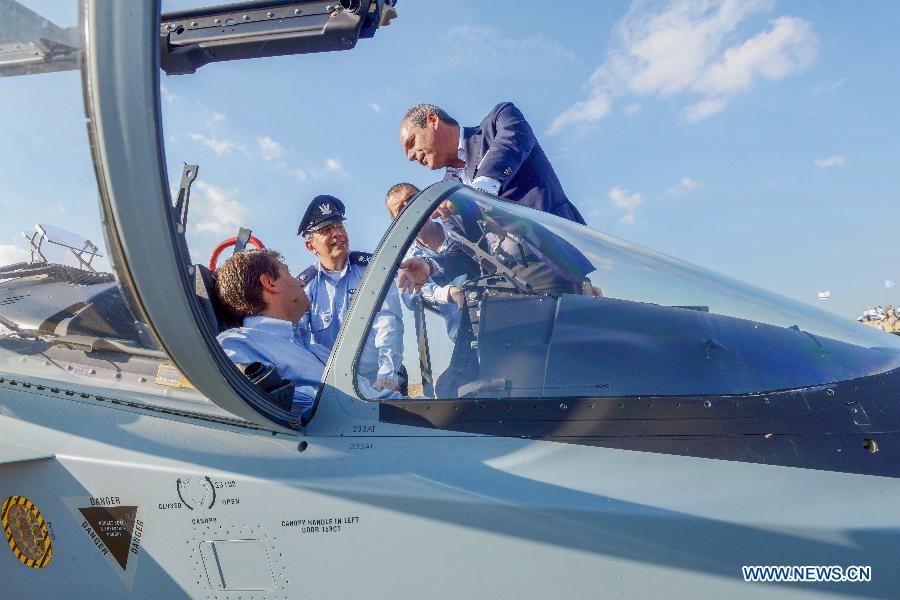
x: 504, y: 148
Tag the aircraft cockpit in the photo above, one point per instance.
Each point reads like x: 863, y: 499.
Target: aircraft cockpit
x: 553, y: 310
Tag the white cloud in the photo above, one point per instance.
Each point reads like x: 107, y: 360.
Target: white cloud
x: 679, y: 188
x: 269, y: 148
x: 214, y: 118
x: 487, y: 45
x: 664, y: 51
x: 10, y: 254
x: 701, y: 110
x: 590, y: 110
x: 601, y: 262
x: 829, y: 87
x: 375, y: 107
x: 166, y: 94
x: 218, y: 145
x: 623, y: 199
x: 698, y: 48
x: 632, y: 109
x: 333, y: 165
x: 831, y: 161
x: 626, y: 200
x: 787, y: 48
x: 217, y: 212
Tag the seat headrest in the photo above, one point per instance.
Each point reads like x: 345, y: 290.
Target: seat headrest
x: 217, y: 314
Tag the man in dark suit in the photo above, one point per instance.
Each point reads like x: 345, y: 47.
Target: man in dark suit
x: 501, y: 156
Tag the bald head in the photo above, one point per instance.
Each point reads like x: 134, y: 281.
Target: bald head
x: 399, y: 196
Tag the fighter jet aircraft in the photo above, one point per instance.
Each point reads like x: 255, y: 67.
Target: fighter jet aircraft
x: 602, y: 420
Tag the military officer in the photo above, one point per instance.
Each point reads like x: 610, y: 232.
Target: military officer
x: 330, y: 285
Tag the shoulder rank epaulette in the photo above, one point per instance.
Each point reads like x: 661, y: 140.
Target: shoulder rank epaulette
x: 360, y: 258
x: 308, y: 274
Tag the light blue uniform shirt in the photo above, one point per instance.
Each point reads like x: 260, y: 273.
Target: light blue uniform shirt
x: 330, y: 294
x: 275, y: 342
x: 433, y: 293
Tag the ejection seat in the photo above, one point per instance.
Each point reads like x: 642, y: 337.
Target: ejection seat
x: 217, y: 314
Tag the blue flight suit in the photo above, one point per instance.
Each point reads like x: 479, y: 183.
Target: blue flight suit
x: 433, y: 293
x: 330, y: 294
x: 504, y: 148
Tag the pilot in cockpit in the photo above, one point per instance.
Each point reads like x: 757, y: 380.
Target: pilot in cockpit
x: 257, y: 286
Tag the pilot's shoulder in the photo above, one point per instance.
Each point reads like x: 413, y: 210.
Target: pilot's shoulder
x: 308, y: 274
x: 360, y: 258
x: 234, y: 338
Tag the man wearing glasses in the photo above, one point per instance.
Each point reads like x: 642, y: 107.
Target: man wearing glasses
x: 330, y: 286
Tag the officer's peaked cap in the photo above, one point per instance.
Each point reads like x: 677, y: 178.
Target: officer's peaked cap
x: 321, y: 212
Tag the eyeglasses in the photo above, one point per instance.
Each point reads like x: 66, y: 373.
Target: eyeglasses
x: 328, y: 229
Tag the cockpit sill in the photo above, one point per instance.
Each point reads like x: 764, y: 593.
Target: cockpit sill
x: 850, y: 426
x: 185, y: 410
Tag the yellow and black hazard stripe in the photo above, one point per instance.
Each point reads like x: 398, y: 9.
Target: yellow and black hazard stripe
x: 38, y: 554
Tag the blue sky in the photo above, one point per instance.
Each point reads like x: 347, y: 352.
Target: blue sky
x: 758, y: 139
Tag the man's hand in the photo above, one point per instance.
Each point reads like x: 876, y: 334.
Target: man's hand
x: 456, y: 294
x: 386, y: 384
x: 414, y: 273
x: 444, y: 210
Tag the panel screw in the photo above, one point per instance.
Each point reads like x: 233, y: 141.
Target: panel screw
x: 270, y: 14
x: 217, y: 21
x: 246, y: 18
x: 193, y: 23
x: 297, y: 11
